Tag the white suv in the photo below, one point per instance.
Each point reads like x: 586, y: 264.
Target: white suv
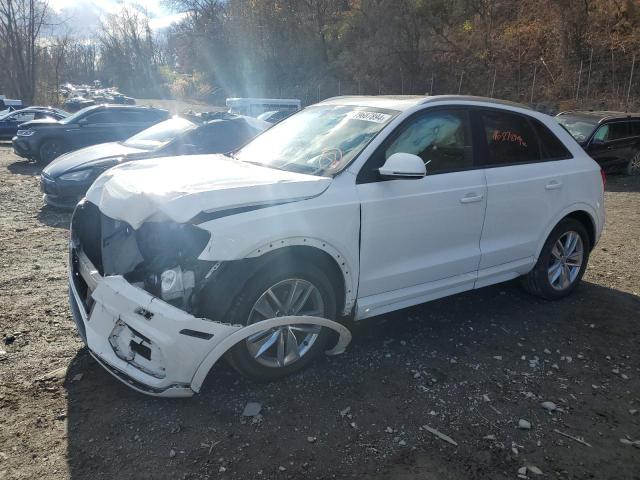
x: 355, y: 206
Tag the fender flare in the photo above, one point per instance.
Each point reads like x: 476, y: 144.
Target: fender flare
x: 228, y: 342
x: 575, y: 207
x: 349, y: 274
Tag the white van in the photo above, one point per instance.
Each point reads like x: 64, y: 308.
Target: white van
x: 253, y: 107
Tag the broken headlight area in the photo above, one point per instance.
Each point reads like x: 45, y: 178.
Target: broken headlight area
x: 161, y: 256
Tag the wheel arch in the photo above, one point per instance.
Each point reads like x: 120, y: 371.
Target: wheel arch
x: 233, y: 275
x: 580, y: 212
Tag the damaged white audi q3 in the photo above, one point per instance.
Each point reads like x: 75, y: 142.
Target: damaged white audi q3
x: 353, y: 207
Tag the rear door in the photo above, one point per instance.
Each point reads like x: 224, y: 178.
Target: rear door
x: 526, y: 169
x: 612, y: 144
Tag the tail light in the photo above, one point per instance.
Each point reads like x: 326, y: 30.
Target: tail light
x: 604, y: 178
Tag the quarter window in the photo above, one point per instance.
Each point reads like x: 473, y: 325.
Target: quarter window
x: 602, y: 134
x: 552, y: 147
x: 440, y: 138
x: 510, y: 139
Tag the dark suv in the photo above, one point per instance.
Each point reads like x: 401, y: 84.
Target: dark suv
x: 611, y: 138
x: 44, y: 140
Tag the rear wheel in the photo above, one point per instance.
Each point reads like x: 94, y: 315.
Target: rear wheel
x: 562, y: 261
x: 51, y: 149
x: 633, y: 167
x: 278, y: 291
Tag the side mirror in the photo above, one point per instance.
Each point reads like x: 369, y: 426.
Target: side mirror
x: 83, y: 122
x: 597, y: 141
x: 403, y: 165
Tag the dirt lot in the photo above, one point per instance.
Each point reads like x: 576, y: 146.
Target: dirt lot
x: 470, y: 367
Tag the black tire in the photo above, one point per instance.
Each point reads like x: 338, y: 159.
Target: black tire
x: 537, y: 281
x: 633, y: 167
x: 50, y: 150
x: 277, y: 271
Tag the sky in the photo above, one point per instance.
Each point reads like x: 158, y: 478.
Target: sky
x: 83, y: 16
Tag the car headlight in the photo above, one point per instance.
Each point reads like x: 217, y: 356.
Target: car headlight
x: 25, y: 133
x: 78, y: 176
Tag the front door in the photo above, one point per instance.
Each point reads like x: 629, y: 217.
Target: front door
x: 417, y: 232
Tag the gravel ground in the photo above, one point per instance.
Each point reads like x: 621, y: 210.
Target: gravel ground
x: 470, y: 366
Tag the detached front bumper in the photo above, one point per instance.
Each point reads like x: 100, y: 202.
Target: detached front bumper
x: 150, y: 345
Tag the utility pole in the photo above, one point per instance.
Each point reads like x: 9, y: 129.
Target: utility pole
x: 633, y: 64
x: 460, y: 84
x: 533, y: 83
x: 579, y: 79
x: 589, y: 76
x: 432, y: 78
x: 493, y: 83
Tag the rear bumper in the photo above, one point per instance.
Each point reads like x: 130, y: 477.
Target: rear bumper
x: 150, y: 345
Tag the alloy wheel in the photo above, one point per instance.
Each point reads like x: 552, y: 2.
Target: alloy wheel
x: 634, y: 165
x: 282, y: 346
x: 567, y: 256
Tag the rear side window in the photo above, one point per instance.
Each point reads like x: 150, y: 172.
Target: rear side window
x: 552, y: 147
x: 618, y: 130
x: 106, y: 116
x: 510, y: 139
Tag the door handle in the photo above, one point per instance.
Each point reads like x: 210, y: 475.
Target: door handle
x: 553, y: 185
x: 471, y: 198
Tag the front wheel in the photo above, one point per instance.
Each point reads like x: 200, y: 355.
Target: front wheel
x: 277, y: 291
x: 50, y: 150
x: 561, y: 263
x: 633, y: 167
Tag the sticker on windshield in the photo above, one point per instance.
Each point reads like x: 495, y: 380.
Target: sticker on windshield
x: 369, y: 116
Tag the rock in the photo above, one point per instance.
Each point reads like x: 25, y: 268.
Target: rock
x: 489, y: 437
x: 312, y: 439
x: 549, y: 406
x: 524, y: 424
x: 222, y: 469
x: 486, y: 398
x: 282, y: 469
x: 522, y: 471
x: 497, y: 357
x: 345, y: 412
x: 633, y: 411
x: 9, y: 339
x: 402, y: 443
x: 252, y: 409
x: 172, y: 453
x: 78, y: 377
x: 388, y: 430
x: 547, y: 351
x: 3, y: 355
x: 533, y: 469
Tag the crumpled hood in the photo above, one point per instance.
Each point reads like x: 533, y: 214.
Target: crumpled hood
x: 85, y: 156
x: 181, y: 188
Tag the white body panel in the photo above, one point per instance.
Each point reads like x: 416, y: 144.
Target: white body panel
x: 397, y: 242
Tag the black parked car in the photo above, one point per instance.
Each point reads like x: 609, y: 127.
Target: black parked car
x: 44, y: 140
x: 611, y: 138
x: 65, y: 180
x: 10, y: 121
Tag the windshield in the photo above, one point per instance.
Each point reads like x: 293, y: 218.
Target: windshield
x: 580, y: 128
x: 319, y: 140
x: 160, y: 134
x: 73, y: 117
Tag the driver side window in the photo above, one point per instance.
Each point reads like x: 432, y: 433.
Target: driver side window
x: 441, y: 138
